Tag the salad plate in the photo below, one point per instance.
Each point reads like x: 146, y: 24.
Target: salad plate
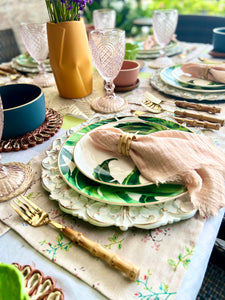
x: 186, y: 78
x: 103, y: 214
x: 149, y: 194
x: 106, y: 167
x: 167, y: 76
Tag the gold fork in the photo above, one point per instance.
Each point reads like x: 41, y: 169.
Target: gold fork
x: 36, y: 216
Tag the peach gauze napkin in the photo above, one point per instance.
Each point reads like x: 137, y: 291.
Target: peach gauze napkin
x: 209, y: 72
x: 150, y: 42
x: 176, y: 156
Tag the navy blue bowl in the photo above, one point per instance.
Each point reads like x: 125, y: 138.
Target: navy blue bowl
x: 219, y: 39
x: 23, y: 108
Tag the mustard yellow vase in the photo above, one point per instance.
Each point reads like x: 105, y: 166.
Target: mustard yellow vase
x: 70, y: 58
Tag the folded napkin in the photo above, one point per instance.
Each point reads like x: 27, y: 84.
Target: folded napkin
x: 171, y: 155
x: 210, y: 72
x: 150, y: 42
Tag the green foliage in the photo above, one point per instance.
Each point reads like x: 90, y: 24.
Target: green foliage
x: 129, y: 10
x: 65, y: 10
x: 209, y: 7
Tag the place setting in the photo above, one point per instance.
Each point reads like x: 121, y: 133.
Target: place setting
x: 101, y: 184
x: 26, y: 64
x: 172, y: 48
x: 163, y: 43
x: 176, y: 81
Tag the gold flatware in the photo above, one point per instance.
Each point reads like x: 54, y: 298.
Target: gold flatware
x: 151, y: 106
x: 184, y: 54
x: 152, y: 103
x: 209, y: 61
x: 36, y: 216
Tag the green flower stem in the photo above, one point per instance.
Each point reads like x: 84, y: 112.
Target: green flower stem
x: 182, y: 259
x: 164, y: 291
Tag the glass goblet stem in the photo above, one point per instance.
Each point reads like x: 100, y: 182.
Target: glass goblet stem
x: 109, y: 87
x: 41, y: 68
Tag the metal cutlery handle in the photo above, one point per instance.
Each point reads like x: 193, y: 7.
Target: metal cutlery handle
x: 97, y: 250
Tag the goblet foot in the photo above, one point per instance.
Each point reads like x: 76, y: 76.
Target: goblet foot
x: 161, y: 62
x: 14, y: 179
x: 44, y: 80
x: 109, y: 104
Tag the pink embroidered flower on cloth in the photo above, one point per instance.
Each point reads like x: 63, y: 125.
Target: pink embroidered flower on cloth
x: 175, y: 156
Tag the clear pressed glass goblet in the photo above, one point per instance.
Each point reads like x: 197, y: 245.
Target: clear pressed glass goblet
x: 108, y: 50
x: 12, y: 176
x: 164, y: 26
x: 34, y: 36
x: 104, y: 18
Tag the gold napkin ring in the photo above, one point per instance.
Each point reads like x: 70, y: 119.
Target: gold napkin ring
x: 124, y: 143
x: 205, y: 72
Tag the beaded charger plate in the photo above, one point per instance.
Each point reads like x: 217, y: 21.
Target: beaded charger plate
x: 104, y: 214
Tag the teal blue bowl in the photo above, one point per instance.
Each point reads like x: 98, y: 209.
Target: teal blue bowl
x: 23, y: 108
x: 219, y: 39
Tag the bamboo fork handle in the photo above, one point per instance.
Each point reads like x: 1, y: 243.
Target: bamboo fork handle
x: 199, y: 117
x: 97, y: 250
x: 199, y: 107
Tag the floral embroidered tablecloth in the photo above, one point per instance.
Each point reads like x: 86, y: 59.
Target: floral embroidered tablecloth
x: 163, y: 254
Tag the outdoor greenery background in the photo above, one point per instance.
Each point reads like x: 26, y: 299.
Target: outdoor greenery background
x: 128, y: 10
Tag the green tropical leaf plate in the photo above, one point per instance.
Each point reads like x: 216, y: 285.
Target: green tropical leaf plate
x: 109, y: 168
x: 126, y: 194
x: 167, y: 77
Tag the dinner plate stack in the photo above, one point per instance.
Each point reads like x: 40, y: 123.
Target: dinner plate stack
x: 26, y: 64
x: 172, y: 48
x: 107, y: 189
x: 173, y: 81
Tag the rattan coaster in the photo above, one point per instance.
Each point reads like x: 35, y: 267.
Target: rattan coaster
x: 51, y: 125
x: 39, y: 286
x: 28, y: 173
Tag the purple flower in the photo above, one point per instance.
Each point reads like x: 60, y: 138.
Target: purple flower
x: 56, y: 11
